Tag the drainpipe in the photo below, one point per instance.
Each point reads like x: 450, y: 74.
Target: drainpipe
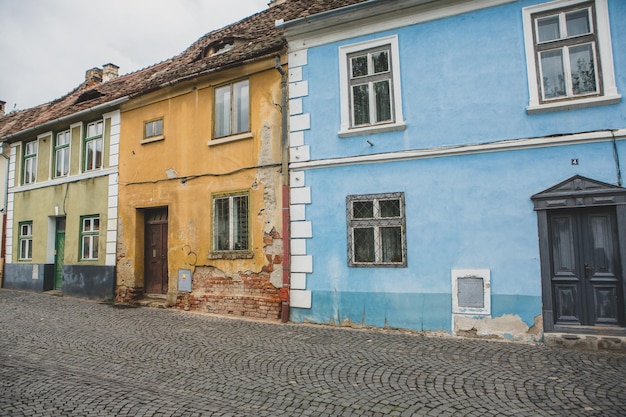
x: 284, y: 291
x: 3, y: 244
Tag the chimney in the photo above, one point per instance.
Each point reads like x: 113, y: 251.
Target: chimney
x: 93, y: 76
x: 2, y: 104
x: 273, y: 3
x: 109, y: 72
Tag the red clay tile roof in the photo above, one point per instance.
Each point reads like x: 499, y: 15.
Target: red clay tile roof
x: 253, y: 37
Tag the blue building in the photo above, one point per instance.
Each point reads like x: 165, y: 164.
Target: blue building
x: 455, y: 166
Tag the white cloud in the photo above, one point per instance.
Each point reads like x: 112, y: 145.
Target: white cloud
x: 46, y: 46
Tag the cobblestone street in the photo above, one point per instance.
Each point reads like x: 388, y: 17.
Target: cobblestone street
x: 61, y: 356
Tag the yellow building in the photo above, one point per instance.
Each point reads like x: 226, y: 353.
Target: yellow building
x: 62, y: 185
x: 200, y: 184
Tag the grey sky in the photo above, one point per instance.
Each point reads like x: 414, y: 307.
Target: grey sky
x: 47, y: 45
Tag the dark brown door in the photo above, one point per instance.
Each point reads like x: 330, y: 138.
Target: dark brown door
x: 586, y: 276
x: 156, y: 276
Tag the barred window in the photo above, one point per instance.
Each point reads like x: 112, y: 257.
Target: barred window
x: 230, y: 223
x: 376, y: 230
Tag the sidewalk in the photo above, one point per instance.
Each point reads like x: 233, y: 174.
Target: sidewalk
x: 62, y: 356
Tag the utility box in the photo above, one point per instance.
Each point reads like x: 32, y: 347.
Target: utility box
x: 184, y: 280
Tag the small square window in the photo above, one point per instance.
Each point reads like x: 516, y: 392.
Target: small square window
x: 376, y: 230
x: 153, y: 129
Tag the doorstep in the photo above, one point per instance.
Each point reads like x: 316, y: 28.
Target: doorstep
x: 594, y: 342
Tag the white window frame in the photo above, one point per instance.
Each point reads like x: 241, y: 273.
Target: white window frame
x: 608, y: 94
x: 93, y: 140
x: 398, y: 122
x: 30, y: 162
x: 89, y: 234
x: 376, y: 223
x: 25, y: 241
x: 233, y: 114
x: 62, y: 149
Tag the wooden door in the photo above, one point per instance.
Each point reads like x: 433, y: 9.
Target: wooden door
x: 586, y: 276
x: 59, y: 252
x: 156, y: 275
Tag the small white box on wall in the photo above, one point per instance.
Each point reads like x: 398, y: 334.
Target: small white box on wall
x: 471, y: 291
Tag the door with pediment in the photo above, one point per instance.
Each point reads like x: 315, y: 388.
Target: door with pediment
x: 585, y: 271
x: 582, y: 230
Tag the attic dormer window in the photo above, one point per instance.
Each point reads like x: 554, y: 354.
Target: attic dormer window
x: 88, y: 95
x: 224, y: 48
x: 218, y: 47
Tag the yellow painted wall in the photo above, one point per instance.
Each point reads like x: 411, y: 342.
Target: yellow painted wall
x: 73, y: 200
x: 201, y: 170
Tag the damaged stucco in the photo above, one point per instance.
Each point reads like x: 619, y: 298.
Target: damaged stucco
x: 507, y: 326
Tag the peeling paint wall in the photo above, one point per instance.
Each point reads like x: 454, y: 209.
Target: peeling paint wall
x: 508, y: 326
x: 182, y: 172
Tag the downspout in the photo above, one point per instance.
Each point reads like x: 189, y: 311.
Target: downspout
x: 284, y: 291
x: 3, y: 244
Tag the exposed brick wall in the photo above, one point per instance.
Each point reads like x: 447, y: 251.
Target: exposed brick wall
x: 248, y: 294
x: 128, y: 295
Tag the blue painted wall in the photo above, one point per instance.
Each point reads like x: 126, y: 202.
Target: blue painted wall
x: 464, y: 81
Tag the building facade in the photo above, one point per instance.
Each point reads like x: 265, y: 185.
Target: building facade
x: 200, y: 193
x: 61, y: 203
x: 455, y: 166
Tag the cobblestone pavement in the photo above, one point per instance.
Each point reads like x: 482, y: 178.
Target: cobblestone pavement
x: 62, y: 356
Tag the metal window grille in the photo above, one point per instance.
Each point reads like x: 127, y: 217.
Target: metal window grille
x: 376, y: 230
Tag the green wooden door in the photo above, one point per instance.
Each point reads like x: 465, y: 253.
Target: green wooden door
x: 59, y: 253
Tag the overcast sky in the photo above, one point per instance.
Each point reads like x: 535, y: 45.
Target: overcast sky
x: 47, y: 45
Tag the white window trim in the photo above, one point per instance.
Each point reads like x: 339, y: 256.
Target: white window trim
x: 53, y: 156
x: 344, y: 51
x: 610, y: 94
x: 35, y: 158
x: 84, y: 141
x: 91, y: 235
x: 26, y: 238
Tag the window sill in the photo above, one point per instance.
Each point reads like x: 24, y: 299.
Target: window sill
x: 231, y: 255
x: 233, y: 138
x: 152, y: 139
x: 370, y: 130
x: 573, y: 104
